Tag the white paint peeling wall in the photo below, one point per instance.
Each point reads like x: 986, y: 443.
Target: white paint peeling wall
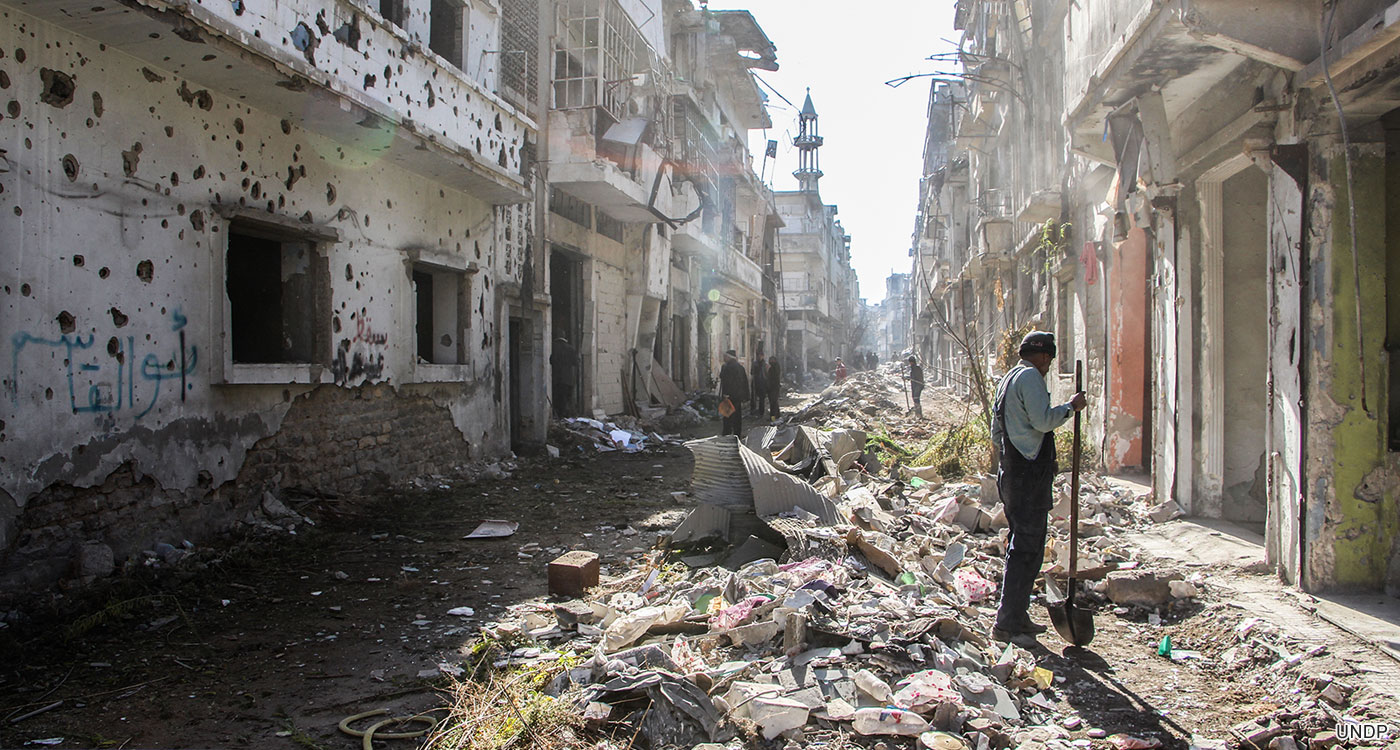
x: 112, y: 288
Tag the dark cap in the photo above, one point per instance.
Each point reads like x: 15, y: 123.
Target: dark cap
x: 1037, y: 342
x: 912, y: 359
x: 730, y: 353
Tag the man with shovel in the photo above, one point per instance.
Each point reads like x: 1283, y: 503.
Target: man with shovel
x: 1023, y: 424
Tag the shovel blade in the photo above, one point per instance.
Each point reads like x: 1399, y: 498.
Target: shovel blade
x: 1074, y: 624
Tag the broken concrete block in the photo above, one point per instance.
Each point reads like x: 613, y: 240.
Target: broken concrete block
x: 794, y: 632
x: 753, y: 634
x: 1283, y: 742
x: 95, y: 559
x: 572, y: 573
x: 569, y: 614
x: 777, y: 715
x: 989, y: 494
x: 1323, y: 740
x: 1183, y: 589
x: 1165, y: 512
x: 1139, y: 587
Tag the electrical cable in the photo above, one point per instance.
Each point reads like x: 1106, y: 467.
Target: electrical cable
x: 1351, y: 200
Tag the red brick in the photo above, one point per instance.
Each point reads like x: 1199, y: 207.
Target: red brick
x: 572, y: 573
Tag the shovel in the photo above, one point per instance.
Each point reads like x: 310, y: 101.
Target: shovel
x: 1074, y: 624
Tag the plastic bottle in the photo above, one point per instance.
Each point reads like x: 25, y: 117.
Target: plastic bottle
x: 873, y: 686
x: 889, y: 721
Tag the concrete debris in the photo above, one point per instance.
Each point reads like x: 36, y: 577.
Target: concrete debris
x: 622, y: 433
x: 814, y: 589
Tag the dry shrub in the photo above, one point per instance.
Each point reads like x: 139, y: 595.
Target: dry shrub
x: 963, y: 450
x: 499, y: 709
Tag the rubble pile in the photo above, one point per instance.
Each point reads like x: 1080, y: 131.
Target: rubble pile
x: 815, y: 596
x: 878, y: 399
x: 622, y: 433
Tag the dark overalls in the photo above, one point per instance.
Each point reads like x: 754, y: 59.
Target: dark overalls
x: 1026, y: 495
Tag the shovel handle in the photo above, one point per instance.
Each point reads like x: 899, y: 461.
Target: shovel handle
x: 1074, y: 484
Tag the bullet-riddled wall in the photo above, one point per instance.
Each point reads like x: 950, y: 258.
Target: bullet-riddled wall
x: 204, y: 301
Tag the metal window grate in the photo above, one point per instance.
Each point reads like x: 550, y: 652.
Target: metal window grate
x: 519, y: 64
x: 596, y: 54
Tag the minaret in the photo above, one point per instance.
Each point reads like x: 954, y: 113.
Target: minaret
x: 807, y: 143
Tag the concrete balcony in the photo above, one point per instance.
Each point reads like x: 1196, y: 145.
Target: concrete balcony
x: 331, y: 67
x: 635, y: 189
x: 740, y: 273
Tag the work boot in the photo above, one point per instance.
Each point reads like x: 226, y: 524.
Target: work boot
x: 1024, y: 640
x: 1021, y: 625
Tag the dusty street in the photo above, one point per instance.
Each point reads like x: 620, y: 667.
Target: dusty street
x: 273, y: 644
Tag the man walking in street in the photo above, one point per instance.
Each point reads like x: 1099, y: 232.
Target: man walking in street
x: 759, y: 385
x: 916, y: 384
x: 1023, y: 423
x: 733, y: 385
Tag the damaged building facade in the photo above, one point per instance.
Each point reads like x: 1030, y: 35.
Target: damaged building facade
x: 1198, y: 198
x: 320, y: 247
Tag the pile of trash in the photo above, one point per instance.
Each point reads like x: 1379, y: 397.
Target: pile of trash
x: 622, y: 433
x: 814, y: 595
x: 807, y: 593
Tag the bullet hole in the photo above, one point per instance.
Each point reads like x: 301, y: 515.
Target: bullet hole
x: 118, y: 319
x: 256, y: 192
x: 388, y: 203
x: 154, y: 35
x: 366, y: 218
x: 169, y: 132
x: 370, y: 80
x: 197, y: 220
x: 292, y: 177
x: 20, y: 54
x: 4, y: 80
x: 114, y: 347
x: 48, y: 394
x: 296, y: 83
x: 58, y: 87
x: 104, y: 272
x: 174, y: 179
x: 501, y: 159
x: 24, y: 289
x: 477, y: 246
x: 180, y: 209
x: 164, y: 223
x: 12, y: 108
x: 498, y: 122
x: 237, y: 7
x: 349, y: 273
x: 335, y: 324
x: 199, y: 172
x: 304, y: 39
x: 130, y: 159
x: 205, y: 479
x: 201, y: 98
x: 286, y: 127
x: 78, y: 261
x: 66, y: 322
x: 70, y: 167
x: 238, y: 125
x: 19, y: 211
x: 243, y: 166
x: 145, y: 271
x: 478, y: 145
x: 97, y: 108
x: 432, y: 97
x: 151, y: 76
x: 349, y: 33
x: 246, y: 182
x: 28, y: 143
x: 446, y: 340
x: 388, y: 74
x: 238, y: 145
x: 209, y: 58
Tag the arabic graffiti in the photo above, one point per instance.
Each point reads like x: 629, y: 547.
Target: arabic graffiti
x: 133, y: 387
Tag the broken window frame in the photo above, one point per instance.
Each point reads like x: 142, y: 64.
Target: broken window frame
x: 392, y: 11
x: 450, y: 294
x: 316, y: 242
x: 447, y: 31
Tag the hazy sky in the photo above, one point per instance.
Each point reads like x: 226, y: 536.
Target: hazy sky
x: 874, y: 134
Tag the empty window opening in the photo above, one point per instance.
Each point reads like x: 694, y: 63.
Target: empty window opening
x: 566, y: 350
x: 609, y: 227
x: 445, y: 34
x: 276, y: 288
x: 440, y: 315
x: 392, y: 10
x: 571, y: 208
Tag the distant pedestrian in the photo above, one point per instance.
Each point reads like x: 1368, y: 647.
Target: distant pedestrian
x: 775, y: 386
x: 734, y: 386
x: 916, y: 384
x: 840, y: 371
